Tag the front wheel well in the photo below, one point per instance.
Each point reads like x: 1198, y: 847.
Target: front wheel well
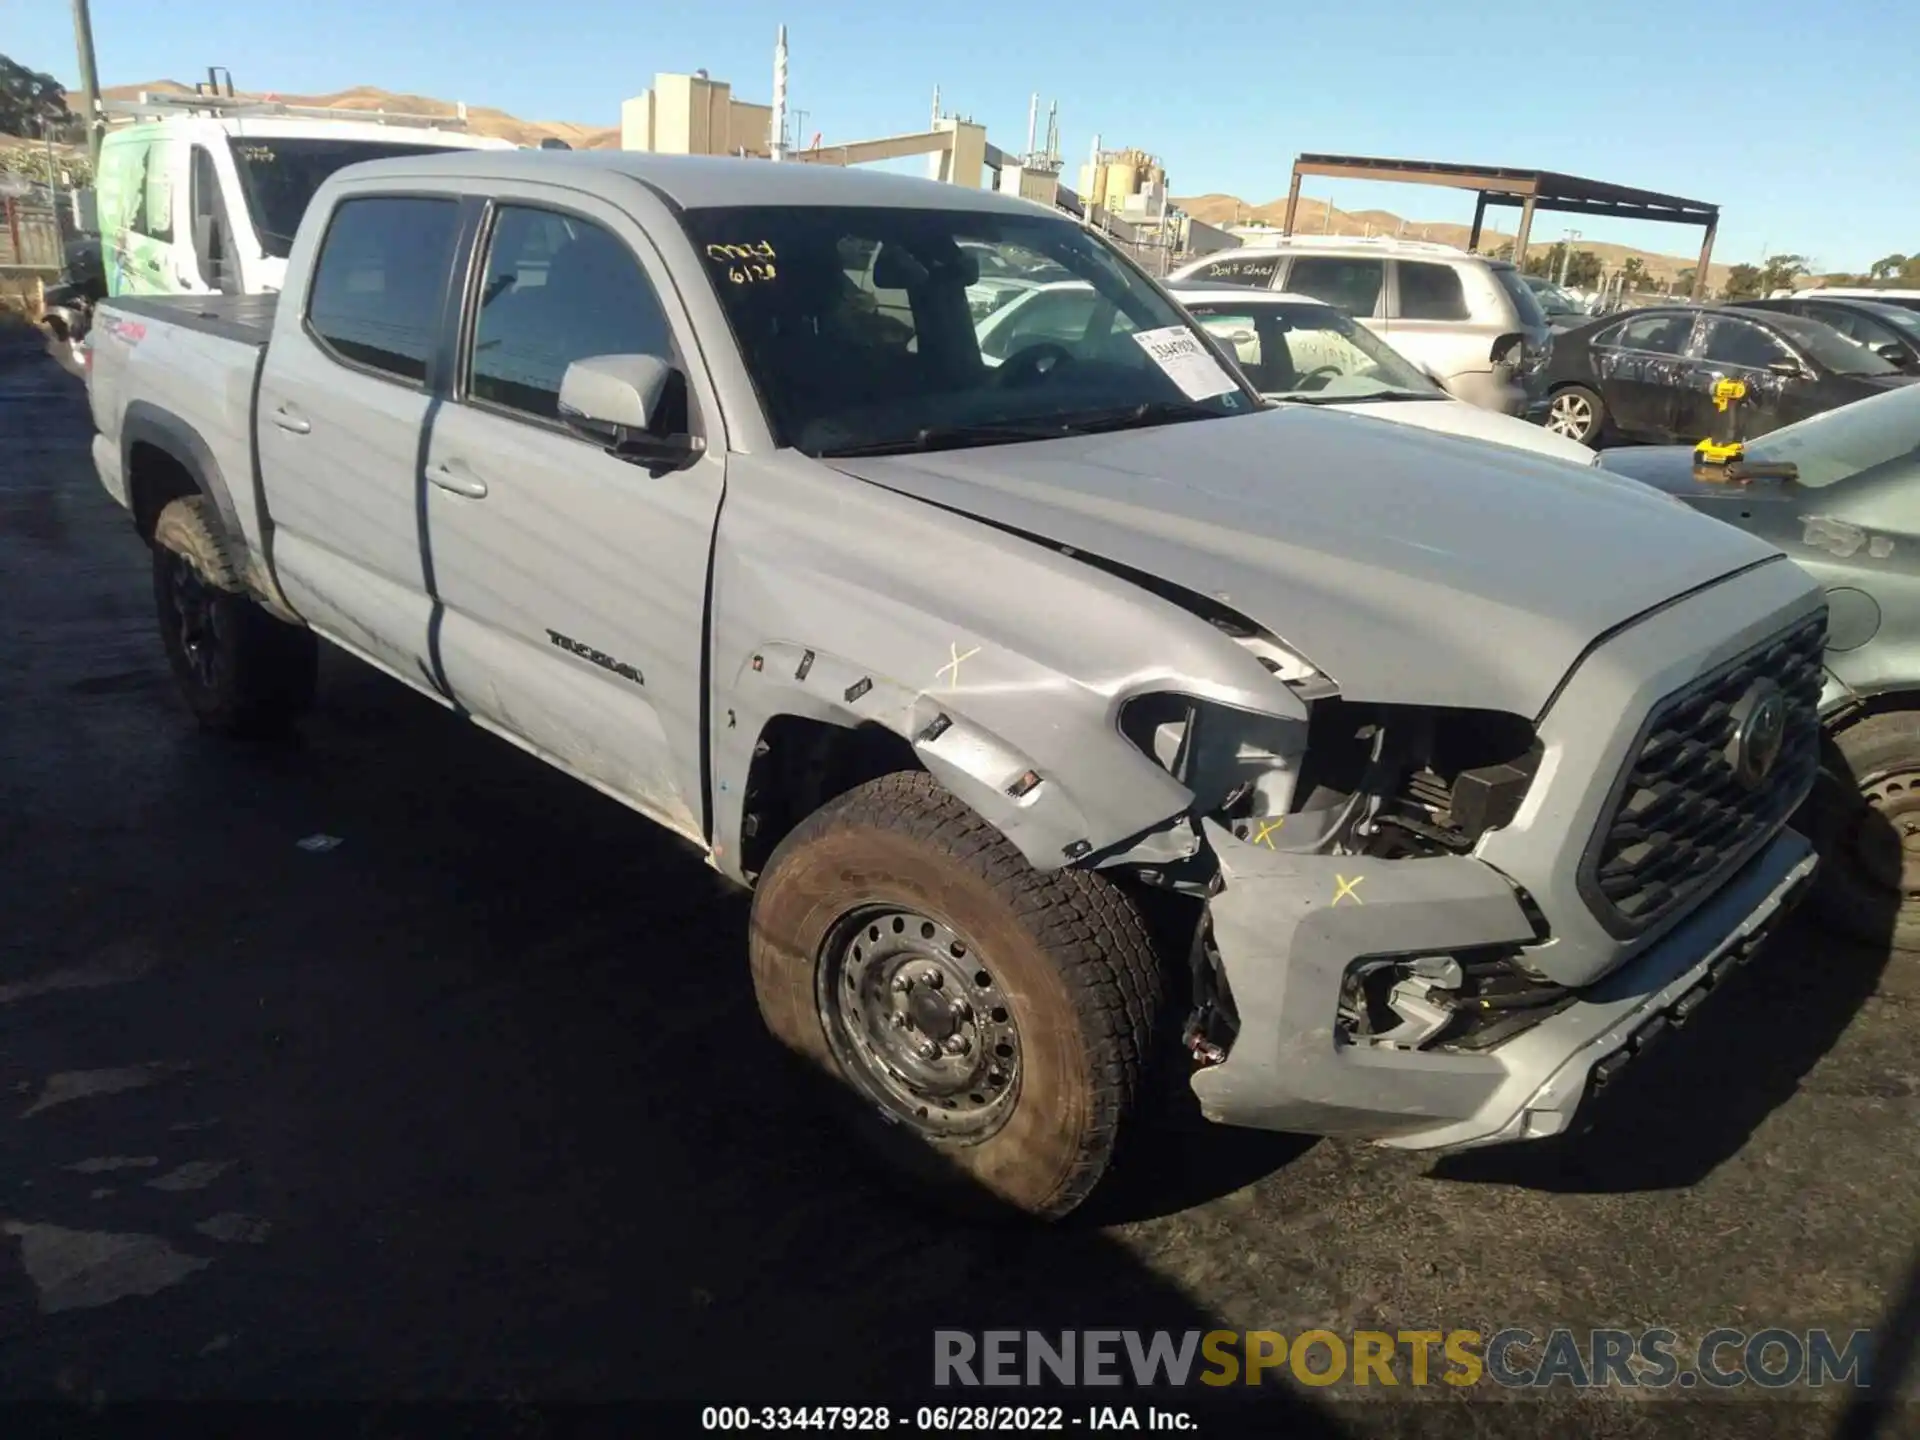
x: 799, y: 765
x: 1866, y: 707
x: 155, y: 479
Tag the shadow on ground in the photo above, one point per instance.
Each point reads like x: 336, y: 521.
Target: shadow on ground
x: 1673, y: 1116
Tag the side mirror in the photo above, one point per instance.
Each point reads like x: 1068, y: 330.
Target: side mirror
x: 615, y: 399
x: 1893, y: 352
x: 1789, y: 369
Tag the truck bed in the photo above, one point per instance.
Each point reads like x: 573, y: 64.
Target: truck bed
x: 246, y: 318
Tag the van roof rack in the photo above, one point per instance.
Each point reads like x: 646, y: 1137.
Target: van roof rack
x: 163, y: 105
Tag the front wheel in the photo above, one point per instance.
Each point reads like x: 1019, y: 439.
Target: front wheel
x: 989, y: 1020
x: 1864, y: 818
x: 241, y: 671
x: 1577, y: 413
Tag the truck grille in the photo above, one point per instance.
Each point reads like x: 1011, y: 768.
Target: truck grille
x: 1682, y: 814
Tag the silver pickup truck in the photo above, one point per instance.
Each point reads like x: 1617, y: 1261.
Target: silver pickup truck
x: 1419, y: 783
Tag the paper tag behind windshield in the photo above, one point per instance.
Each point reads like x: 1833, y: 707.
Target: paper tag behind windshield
x: 1175, y: 350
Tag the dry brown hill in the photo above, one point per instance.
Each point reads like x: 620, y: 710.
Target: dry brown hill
x: 481, y: 119
x: 1313, y: 217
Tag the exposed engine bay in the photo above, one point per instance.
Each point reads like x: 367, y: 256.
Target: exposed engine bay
x: 1387, y: 782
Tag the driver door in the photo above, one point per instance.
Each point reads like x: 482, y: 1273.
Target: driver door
x: 569, y: 585
x: 1736, y: 349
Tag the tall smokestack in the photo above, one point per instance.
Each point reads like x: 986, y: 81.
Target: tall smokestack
x: 777, y: 141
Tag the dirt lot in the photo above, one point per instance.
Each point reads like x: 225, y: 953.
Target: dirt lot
x: 476, y: 1105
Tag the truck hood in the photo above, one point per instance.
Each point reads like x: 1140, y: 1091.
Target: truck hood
x: 1410, y: 567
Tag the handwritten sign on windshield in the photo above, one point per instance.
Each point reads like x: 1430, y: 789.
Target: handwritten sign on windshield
x: 1175, y: 350
x: 745, y: 264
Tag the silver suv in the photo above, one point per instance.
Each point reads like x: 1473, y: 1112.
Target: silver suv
x: 1471, y: 322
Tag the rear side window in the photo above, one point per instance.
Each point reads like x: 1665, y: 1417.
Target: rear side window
x: 560, y: 289
x: 1662, y: 334
x: 1430, y: 292
x: 1526, y: 305
x: 1351, y: 285
x: 377, y: 287
x: 1254, y: 271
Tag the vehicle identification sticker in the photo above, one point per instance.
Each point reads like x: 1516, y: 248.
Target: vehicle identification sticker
x: 1175, y: 350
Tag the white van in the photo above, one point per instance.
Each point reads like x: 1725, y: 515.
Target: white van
x: 199, y: 203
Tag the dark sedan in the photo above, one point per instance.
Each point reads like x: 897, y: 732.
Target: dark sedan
x: 1851, y: 518
x: 1891, y: 331
x: 1650, y: 375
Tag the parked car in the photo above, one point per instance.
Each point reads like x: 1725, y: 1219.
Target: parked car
x: 1470, y: 321
x: 1851, y: 518
x: 1904, y: 299
x: 1563, y: 309
x: 1037, y: 702
x: 1650, y: 375
x: 1890, y: 331
x: 1297, y: 350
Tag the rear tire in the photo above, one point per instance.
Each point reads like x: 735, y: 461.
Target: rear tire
x: 1577, y: 413
x: 1864, y: 818
x: 241, y: 672
x: 989, y: 1020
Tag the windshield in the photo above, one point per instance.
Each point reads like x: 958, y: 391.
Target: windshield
x: 860, y: 329
x: 1839, y: 444
x: 1312, y: 353
x: 278, y: 176
x: 1524, y: 303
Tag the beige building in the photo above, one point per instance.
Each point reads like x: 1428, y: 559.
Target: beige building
x: 694, y: 115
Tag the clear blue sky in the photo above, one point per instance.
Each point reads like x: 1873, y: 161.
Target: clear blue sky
x: 1803, y: 135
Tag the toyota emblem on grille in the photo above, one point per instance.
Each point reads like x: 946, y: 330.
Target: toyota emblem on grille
x: 1759, y: 733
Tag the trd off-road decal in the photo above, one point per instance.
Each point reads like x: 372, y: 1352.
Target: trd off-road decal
x: 598, y: 657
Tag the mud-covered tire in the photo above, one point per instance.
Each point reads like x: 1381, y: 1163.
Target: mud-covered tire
x: 241, y: 671
x: 1066, y: 949
x: 1864, y: 819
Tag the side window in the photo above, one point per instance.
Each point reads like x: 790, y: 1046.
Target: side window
x: 1254, y: 271
x: 560, y: 289
x: 212, y: 243
x: 1662, y: 334
x: 378, y: 284
x: 1735, y: 342
x: 1430, y: 292
x: 156, y: 210
x: 1349, y: 285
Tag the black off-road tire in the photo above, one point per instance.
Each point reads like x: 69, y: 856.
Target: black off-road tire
x: 1067, y: 949
x: 241, y: 672
x: 1864, y: 818
x: 1571, y: 398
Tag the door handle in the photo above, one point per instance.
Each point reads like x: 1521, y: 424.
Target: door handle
x: 291, y: 421
x: 452, y: 475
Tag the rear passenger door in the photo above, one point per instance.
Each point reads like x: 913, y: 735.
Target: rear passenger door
x: 344, y: 401
x: 1426, y: 317
x: 571, y: 585
x: 1642, y: 369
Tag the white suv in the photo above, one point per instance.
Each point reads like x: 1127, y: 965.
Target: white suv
x: 1470, y: 322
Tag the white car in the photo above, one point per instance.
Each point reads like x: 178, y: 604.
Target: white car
x: 1296, y: 349
x: 1470, y: 321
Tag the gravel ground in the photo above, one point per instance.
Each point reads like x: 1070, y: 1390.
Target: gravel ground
x: 475, y: 1103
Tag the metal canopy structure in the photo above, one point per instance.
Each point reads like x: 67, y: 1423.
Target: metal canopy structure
x: 1529, y: 190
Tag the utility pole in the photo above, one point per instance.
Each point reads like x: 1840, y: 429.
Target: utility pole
x: 89, y: 80
x: 1566, y: 253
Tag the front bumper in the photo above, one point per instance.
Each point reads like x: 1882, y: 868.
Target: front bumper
x: 1288, y: 927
